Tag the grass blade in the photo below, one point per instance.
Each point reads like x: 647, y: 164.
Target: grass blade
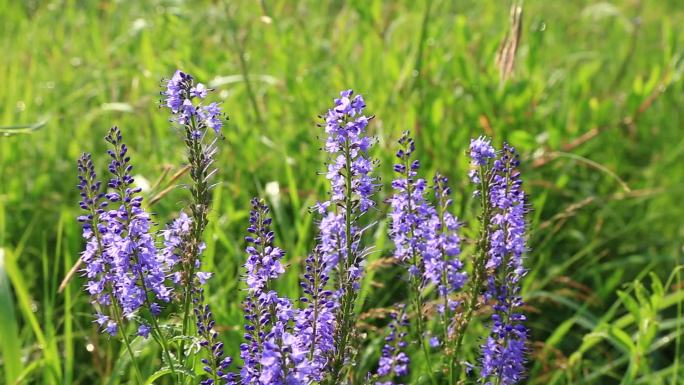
x: 9, y: 345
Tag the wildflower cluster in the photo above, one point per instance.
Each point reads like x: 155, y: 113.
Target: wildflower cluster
x: 352, y: 185
x: 426, y: 240
x: 315, y: 323
x: 122, y: 264
x: 152, y: 281
x: 267, y: 317
x: 394, y: 362
x: 503, y: 354
x: 180, y: 97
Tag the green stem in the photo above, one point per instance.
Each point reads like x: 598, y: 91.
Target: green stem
x: 200, y: 197
x: 348, y: 296
x: 420, y: 327
x: 446, y: 314
x: 127, y: 343
x: 160, y: 337
x: 478, y: 270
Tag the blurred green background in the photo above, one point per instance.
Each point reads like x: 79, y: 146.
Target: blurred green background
x: 594, y: 105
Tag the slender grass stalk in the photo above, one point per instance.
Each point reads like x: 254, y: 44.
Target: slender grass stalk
x: 680, y: 317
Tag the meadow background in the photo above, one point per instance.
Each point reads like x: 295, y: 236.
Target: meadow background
x: 594, y: 104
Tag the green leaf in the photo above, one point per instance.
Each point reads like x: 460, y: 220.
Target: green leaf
x: 166, y: 371
x: 658, y: 291
x: 622, y: 339
x: 9, y: 343
x: 631, y: 305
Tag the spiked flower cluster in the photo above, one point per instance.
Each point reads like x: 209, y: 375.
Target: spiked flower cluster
x: 352, y: 184
x: 347, y: 143
x: 315, y: 323
x: 180, y: 97
x: 217, y: 365
x: 132, y: 272
x: 268, y: 340
x: 448, y: 243
x: 425, y: 236
x: 503, y: 354
x: 412, y: 225
x: 394, y: 362
x: 123, y: 268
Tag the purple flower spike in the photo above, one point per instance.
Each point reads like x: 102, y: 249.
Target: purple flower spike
x: 268, y: 350
x: 481, y: 150
x: 394, y: 362
x: 184, y: 98
x: 504, y: 352
x: 348, y: 146
x: 315, y: 324
x: 352, y: 185
x: 122, y: 264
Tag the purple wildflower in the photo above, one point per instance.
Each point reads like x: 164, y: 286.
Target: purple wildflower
x: 503, y: 354
x: 447, y: 241
x: 267, y: 317
x: 216, y: 365
x: 180, y: 97
x: 481, y: 151
x: 413, y: 219
x: 352, y: 187
x: 132, y: 249
x: 314, y: 325
x: 144, y: 330
x: 348, y: 147
x: 186, y: 100
x: 394, y: 362
x: 426, y: 240
x: 123, y: 267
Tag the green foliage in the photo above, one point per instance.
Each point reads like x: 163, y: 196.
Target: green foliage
x: 593, y: 104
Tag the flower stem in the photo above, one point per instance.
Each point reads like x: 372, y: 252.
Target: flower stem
x: 345, y: 322
x: 420, y: 327
x: 127, y: 343
x: 198, y: 173
x: 478, y: 272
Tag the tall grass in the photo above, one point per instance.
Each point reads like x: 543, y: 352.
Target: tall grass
x: 593, y: 104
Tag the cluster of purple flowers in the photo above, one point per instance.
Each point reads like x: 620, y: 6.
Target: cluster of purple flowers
x: 270, y: 351
x: 217, y: 364
x: 425, y: 234
x: 315, y: 323
x: 180, y: 97
x: 448, y: 242
x: 503, y: 353
x: 177, y: 240
x: 394, y: 362
x: 352, y: 185
x: 122, y: 264
x: 129, y: 277
x: 132, y: 272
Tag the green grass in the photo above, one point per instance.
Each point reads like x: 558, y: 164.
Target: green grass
x: 607, y: 211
